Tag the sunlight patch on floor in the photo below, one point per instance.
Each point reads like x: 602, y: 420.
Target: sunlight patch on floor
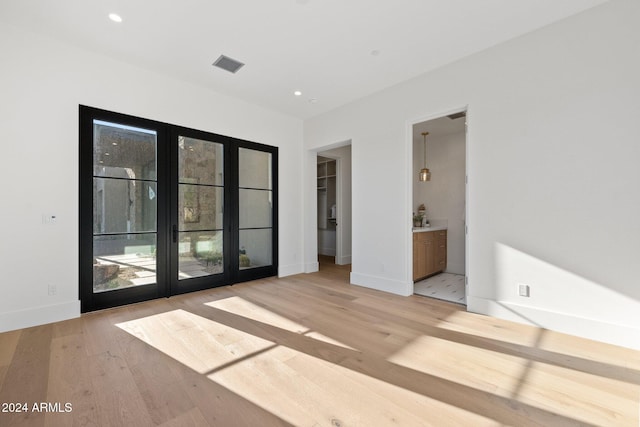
x: 499, y: 330
x: 244, y: 308
x: 298, y: 388
x: 541, y: 385
x: 458, y: 363
x: 288, y: 383
x: 199, y: 343
x: 306, y: 390
x: 530, y: 336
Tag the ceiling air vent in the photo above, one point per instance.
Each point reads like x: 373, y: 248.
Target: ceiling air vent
x: 457, y: 115
x: 228, y: 64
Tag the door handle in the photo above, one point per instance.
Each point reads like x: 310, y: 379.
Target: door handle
x: 175, y: 233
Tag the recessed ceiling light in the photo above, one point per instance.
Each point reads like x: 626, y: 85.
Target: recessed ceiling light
x: 115, y: 17
x: 297, y: 93
x: 312, y: 100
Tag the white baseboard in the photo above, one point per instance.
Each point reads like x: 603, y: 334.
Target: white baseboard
x: 343, y: 260
x: 311, y: 267
x: 621, y: 335
x: 290, y: 270
x: 397, y: 287
x: 39, y: 316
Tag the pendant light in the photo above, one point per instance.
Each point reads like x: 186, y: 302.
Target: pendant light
x: 425, y: 175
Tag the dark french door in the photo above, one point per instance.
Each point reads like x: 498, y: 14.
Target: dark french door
x: 166, y: 210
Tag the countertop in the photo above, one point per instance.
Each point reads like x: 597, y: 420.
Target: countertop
x: 431, y: 228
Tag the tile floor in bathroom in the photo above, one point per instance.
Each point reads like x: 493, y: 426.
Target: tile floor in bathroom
x: 444, y: 286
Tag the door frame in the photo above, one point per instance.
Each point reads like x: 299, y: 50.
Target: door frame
x: 341, y: 217
x: 410, y: 182
x: 176, y: 286
x: 89, y: 300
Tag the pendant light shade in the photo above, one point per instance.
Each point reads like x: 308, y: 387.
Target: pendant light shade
x: 425, y: 174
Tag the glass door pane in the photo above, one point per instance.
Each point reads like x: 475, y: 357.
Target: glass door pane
x: 199, y: 232
x: 255, y: 199
x: 124, y: 206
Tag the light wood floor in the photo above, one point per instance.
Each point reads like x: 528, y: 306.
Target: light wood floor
x: 311, y: 350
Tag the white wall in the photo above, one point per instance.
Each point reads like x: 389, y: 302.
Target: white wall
x: 553, y: 178
x: 444, y: 194
x: 42, y: 82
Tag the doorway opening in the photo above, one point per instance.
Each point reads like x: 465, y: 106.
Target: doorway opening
x: 327, y: 206
x: 439, y: 208
x: 333, y: 195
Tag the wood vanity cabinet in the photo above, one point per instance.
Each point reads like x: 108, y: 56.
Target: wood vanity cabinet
x: 429, y: 253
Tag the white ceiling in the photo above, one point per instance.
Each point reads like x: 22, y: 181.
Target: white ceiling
x: 320, y: 47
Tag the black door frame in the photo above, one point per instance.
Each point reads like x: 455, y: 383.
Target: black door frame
x: 176, y: 286
x: 239, y: 275
x: 167, y: 177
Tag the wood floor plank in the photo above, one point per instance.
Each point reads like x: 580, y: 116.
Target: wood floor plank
x: 161, y: 390
x: 359, y: 399
x: 118, y: 400
x: 3, y: 372
x: 69, y: 383
x: 222, y: 407
x: 312, y: 350
x: 191, y: 418
x: 8, y: 343
x: 67, y: 327
x: 26, y: 378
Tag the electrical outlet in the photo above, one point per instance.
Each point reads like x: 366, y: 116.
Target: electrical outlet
x: 52, y: 290
x: 523, y: 290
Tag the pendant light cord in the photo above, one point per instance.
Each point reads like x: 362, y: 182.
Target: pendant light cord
x: 424, y: 136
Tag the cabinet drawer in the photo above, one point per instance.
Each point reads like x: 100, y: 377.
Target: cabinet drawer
x: 424, y: 237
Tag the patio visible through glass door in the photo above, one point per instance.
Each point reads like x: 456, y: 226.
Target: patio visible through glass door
x: 199, y: 229
x: 124, y: 206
